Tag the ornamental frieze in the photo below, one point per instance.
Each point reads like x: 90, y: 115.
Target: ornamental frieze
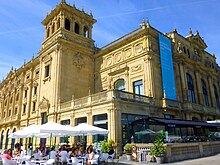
x: 136, y: 68
x: 139, y: 48
x: 128, y: 53
x: 118, y: 57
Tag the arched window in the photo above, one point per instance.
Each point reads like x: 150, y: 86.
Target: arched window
x: 184, y: 49
x: 53, y: 28
x: 58, y: 23
x: 76, y: 28
x: 67, y: 24
x: 188, y: 52
x: 86, y: 32
x: 205, y: 93
x: 6, y: 142
x: 191, y: 93
x: 120, y: 85
x: 48, y: 32
x: 13, y: 140
x: 216, y: 97
x: 2, y: 139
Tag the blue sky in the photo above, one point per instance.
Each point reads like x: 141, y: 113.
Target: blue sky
x: 21, y: 31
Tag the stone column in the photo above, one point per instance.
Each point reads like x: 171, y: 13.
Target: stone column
x: 199, y: 87
x: 183, y: 81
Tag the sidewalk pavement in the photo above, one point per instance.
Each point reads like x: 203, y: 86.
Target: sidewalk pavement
x: 211, y: 160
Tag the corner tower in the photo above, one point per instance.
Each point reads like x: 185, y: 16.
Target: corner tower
x: 66, y: 55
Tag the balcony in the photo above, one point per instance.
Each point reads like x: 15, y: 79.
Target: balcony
x: 106, y: 96
x: 171, y: 104
x: 201, y: 108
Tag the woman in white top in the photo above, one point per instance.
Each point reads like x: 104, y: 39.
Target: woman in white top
x: 91, y: 155
x: 63, y: 155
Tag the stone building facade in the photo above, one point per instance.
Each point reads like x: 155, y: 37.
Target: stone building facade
x: 71, y: 81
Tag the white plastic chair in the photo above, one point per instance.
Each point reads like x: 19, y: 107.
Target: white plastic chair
x: 95, y: 159
x: 75, y: 161
x: 8, y: 162
x: 111, y: 157
x: 49, y: 162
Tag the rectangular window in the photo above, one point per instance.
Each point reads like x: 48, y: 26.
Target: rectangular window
x: 138, y: 87
x: 9, y: 113
x: 65, y: 138
x: 16, y: 110
x: 44, y: 118
x: 168, y: 116
x: 24, y: 108
x: 25, y: 94
x: 35, y: 90
x: 47, y: 71
x: 34, y: 106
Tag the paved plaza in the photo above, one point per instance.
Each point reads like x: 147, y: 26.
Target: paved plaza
x: 211, y: 160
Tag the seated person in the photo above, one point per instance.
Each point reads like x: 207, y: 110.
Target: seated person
x: 18, y: 152
x: 111, y: 151
x: 74, y: 152
x: 7, y: 154
x: 91, y: 155
x: 53, y: 153
x: 63, y: 155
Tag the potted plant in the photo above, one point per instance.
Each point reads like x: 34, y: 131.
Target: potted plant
x: 106, y: 147
x: 158, y: 150
x: 128, y: 150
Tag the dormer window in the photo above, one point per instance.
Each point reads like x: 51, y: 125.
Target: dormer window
x: 76, y: 28
x: 67, y: 24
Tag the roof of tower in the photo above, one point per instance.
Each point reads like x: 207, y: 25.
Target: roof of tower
x: 63, y: 6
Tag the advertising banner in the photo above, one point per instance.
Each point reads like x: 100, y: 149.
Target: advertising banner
x: 166, y: 60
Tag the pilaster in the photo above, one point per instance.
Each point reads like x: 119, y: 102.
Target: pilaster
x: 183, y: 81
x: 114, y: 127
x: 199, y: 87
x: 90, y: 122
x: 149, y: 77
x: 211, y: 92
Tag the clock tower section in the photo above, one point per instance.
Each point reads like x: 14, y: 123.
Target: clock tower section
x: 66, y: 55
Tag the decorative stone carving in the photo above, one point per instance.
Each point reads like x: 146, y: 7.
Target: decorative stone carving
x: 139, y: 48
x: 104, y: 79
x: 78, y: 61
x: 136, y: 68
x: 44, y: 103
x: 35, y: 84
x: 108, y: 61
x: 179, y: 48
x: 118, y: 57
x: 128, y: 53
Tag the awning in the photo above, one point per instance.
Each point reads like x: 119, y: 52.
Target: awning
x: 176, y: 122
